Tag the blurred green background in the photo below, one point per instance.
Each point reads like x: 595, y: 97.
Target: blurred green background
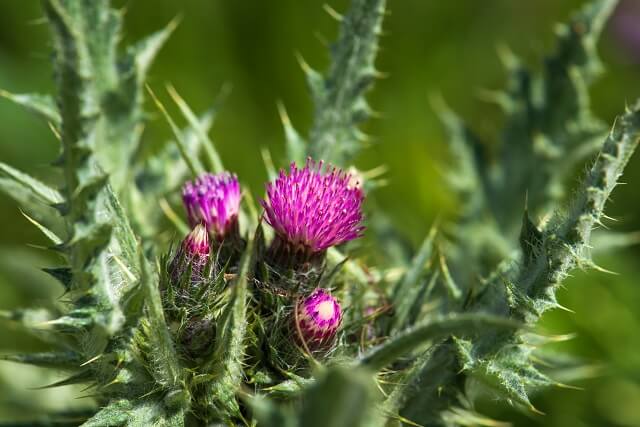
x: 429, y: 47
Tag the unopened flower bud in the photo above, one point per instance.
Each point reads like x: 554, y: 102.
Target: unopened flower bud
x: 194, y: 253
x: 318, y: 317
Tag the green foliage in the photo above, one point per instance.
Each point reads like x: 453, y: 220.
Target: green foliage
x: 330, y: 402
x: 548, y: 130
x: 419, y: 341
x: 338, y: 97
x: 432, y: 330
x: 225, y: 367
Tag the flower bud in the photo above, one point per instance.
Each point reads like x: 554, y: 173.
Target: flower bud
x: 194, y: 253
x: 317, y: 319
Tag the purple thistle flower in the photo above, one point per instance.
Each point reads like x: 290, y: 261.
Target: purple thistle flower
x: 213, y: 200
x: 313, y: 209
x: 318, y: 317
x: 193, y: 251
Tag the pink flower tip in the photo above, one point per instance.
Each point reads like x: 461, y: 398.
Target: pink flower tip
x: 197, y: 242
x: 194, y: 252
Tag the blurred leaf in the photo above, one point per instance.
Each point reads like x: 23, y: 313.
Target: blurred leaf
x: 340, y: 398
x: 440, y: 327
x: 606, y: 241
x: 146, y: 50
x: 48, y: 233
x: 190, y: 159
x: 38, y: 189
x: 295, y: 144
x: 198, y: 130
x: 268, y: 414
x: 406, y: 291
x: 43, y: 105
x: 57, y: 360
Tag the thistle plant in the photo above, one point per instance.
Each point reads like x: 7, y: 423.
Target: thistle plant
x: 262, y: 315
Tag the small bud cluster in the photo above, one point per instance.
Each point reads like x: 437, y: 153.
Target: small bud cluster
x: 310, y: 210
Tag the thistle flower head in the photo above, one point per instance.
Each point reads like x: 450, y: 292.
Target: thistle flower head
x: 213, y: 200
x: 314, y: 208
x: 318, y: 318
